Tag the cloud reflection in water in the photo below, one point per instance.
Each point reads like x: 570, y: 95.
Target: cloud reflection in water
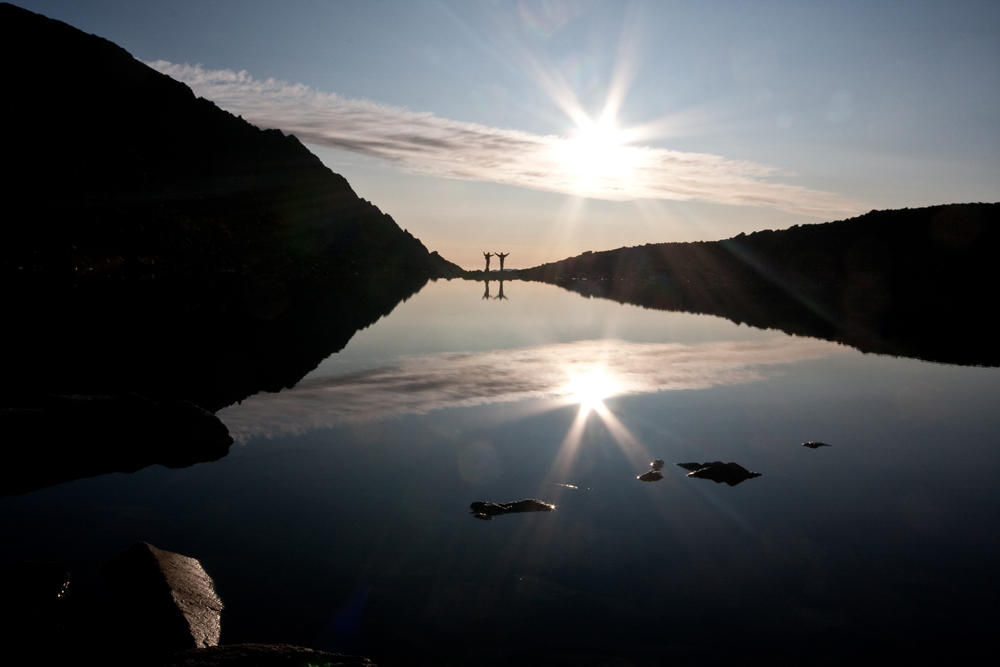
x: 417, y: 385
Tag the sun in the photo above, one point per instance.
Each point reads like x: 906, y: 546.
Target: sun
x: 595, y: 152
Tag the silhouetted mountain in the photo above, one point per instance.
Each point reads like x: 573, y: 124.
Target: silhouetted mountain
x: 913, y: 282
x: 154, y: 244
x: 157, y: 244
x: 118, y: 171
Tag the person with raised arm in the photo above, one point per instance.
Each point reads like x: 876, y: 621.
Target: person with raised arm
x: 502, y: 258
x: 487, y: 255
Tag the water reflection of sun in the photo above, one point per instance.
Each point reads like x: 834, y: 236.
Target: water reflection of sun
x: 590, y: 389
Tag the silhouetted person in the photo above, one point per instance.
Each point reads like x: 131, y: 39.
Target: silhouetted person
x: 486, y: 295
x: 502, y: 257
x: 500, y: 296
x: 487, y: 255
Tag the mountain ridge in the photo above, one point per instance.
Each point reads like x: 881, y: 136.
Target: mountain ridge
x: 122, y: 168
x: 908, y: 282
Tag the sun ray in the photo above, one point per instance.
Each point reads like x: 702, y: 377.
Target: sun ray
x: 589, y: 390
x: 565, y: 457
x: 633, y: 449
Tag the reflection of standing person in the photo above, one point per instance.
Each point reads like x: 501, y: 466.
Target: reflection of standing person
x: 487, y: 294
x: 500, y: 296
x: 487, y: 255
x: 502, y: 257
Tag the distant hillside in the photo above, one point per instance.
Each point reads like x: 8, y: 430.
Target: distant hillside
x: 117, y: 171
x: 913, y: 282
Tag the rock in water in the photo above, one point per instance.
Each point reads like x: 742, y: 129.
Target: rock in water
x: 812, y: 444
x: 657, y: 464
x: 171, y: 599
x: 653, y: 475
x: 486, y: 511
x: 719, y: 472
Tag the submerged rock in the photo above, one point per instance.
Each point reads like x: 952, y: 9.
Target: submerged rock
x: 171, y: 600
x: 486, y: 511
x: 262, y: 655
x: 812, y: 444
x: 717, y: 471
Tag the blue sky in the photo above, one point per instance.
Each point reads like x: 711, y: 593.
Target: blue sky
x: 545, y: 129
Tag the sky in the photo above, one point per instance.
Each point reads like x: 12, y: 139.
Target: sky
x: 545, y: 129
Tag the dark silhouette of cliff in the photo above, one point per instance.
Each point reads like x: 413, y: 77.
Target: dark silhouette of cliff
x: 154, y: 243
x: 919, y: 283
x: 155, y: 246
x: 117, y: 171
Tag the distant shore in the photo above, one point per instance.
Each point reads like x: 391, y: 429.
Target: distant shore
x: 506, y: 274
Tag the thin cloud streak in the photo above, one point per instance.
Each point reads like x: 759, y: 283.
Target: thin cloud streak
x: 424, y: 143
x: 421, y: 384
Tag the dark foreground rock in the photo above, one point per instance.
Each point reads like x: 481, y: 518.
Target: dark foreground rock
x: 52, y: 439
x: 719, y: 472
x: 262, y: 655
x: 170, y: 600
x: 486, y: 511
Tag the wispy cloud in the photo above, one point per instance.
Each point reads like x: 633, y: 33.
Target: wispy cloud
x: 425, y: 383
x: 424, y: 143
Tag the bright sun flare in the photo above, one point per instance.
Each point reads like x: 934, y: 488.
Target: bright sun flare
x: 596, y: 152
x: 590, y: 389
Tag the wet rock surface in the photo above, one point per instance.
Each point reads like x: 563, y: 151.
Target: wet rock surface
x: 486, y: 511
x: 262, y: 655
x: 719, y: 472
x: 653, y: 474
x: 170, y: 600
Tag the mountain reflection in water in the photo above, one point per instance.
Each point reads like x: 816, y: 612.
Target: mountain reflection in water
x: 341, y: 520
x: 431, y: 382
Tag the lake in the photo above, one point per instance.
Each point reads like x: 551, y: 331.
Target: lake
x: 340, y: 520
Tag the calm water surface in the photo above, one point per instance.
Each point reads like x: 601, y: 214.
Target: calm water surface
x: 340, y: 520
